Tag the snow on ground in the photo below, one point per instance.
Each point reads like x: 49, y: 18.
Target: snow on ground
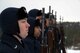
x: 72, y: 51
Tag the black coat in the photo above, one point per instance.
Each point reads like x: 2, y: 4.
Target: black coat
x: 10, y: 44
x: 30, y: 43
x: 33, y: 44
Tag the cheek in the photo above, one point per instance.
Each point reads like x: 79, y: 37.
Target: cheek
x: 38, y: 32
x: 35, y: 31
x: 22, y: 28
x: 47, y: 23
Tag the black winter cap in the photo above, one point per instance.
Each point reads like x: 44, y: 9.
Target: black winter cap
x: 34, y: 13
x: 9, y: 19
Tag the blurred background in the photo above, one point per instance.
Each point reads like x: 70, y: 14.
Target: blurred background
x: 68, y: 9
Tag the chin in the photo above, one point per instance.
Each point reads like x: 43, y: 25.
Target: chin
x: 25, y: 36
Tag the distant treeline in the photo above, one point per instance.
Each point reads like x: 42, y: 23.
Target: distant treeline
x: 72, y: 33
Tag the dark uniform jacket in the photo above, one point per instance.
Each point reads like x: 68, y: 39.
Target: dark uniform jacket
x: 33, y: 44
x: 10, y: 44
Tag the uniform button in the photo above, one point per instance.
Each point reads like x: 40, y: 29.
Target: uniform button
x: 15, y: 47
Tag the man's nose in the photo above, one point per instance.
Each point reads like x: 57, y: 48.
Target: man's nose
x: 28, y: 25
x: 40, y: 29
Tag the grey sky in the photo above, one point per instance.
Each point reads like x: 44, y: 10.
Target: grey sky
x: 69, y: 9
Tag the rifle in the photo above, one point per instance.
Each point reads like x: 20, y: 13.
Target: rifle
x: 56, y: 48
x: 55, y: 31
x: 44, y: 47
x: 62, y: 36
x: 50, y: 33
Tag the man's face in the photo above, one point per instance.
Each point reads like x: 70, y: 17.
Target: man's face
x: 47, y: 22
x: 39, y: 17
x: 23, y: 27
x: 54, y: 21
x: 37, y: 31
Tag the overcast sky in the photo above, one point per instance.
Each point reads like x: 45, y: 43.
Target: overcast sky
x: 68, y: 9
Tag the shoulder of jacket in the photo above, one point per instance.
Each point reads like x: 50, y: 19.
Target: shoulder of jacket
x: 5, y: 48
